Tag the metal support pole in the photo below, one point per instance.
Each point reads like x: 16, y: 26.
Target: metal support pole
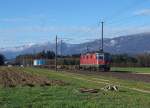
x: 102, y: 36
x: 56, y: 55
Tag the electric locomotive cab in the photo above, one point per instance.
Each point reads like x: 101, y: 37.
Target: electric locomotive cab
x: 103, y: 61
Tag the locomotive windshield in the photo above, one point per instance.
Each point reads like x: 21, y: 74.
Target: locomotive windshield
x: 100, y: 56
x: 103, y: 56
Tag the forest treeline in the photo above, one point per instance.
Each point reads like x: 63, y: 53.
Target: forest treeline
x: 119, y: 60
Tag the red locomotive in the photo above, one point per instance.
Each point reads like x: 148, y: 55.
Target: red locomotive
x: 96, y: 61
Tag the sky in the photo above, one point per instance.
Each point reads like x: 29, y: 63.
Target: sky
x: 75, y: 21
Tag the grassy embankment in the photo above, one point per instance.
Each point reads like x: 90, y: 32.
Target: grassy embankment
x: 143, y: 70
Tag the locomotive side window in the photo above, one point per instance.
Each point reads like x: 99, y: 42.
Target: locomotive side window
x: 107, y: 57
x: 82, y: 56
x: 91, y: 56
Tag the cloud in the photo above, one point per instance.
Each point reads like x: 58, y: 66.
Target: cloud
x: 143, y: 12
x: 124, y: 31
x: 19, y: 19
x: 49, y: 32
x: 78, y: 34
x: 76, y: 31
x: 31, y: 18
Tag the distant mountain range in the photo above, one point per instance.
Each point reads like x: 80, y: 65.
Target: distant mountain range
x: 131, y: 44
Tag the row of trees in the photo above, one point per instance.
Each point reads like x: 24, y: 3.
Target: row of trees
x: 121, y: 60
x: 118, y: 60
x: 2, y: 59
x: 49, y: 56
x: 43, y: 55
x: 28, y: 58
x: 124, y: 60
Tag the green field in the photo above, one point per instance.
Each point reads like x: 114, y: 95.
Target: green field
x: 131, y: 94
x: 131, y: 69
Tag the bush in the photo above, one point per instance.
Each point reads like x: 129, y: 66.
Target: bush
x: 2, y: 59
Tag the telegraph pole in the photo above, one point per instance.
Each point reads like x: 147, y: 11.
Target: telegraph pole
x: 61, y: 55
x: 34, y: 56
x: 23, y: 63
x: 102, y: 35
x: 61, y: 48
x: 56, y: 55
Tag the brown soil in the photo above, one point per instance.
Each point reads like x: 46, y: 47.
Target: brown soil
x: 13, y: 79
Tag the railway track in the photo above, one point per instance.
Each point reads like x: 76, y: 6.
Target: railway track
x: 119, y: 75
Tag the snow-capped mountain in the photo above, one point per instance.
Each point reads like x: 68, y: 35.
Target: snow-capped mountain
x: 132, y: 44
x: 16, y: 49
